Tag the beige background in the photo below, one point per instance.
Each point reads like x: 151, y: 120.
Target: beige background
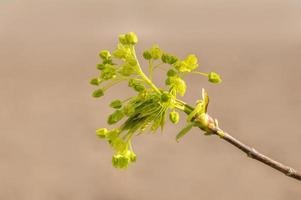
x: 48, y: 52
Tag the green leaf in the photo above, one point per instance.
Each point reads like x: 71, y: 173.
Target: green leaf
x: 184, y: 131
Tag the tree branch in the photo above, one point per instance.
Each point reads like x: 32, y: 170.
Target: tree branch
x: 252, y: 153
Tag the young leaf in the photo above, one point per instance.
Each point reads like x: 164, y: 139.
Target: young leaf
x: 184, y: 131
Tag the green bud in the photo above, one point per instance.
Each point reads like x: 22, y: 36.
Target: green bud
x: 119, y: 145
x: 105, y: 54
x: 102, y: 132
x: 165, y: 97
x: 139, y: 88
x: 131, y: 38
x: 214, y: 77
x: 177, y: 83
x: 187, y: 65
x: 115, y: 117
x: 108, y: 72
x: 98, y: 93
x: 95, y: 81
x: 132, y: 61
x: 121, y: 52
x: 120, y: 161
x: 100, y: 66
x: 169, y: 59
x: 131, y: 155
x: 112, y: 135
x: 126, y: 70
x: 128, y: 109
x: 122, y: 39
x: 116, y: 104
x: 147, y: 55
x: 155, y: 52
x: 174, y: 117
x: 171, y: 73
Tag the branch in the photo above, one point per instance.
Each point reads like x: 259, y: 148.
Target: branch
x: 252, y: 153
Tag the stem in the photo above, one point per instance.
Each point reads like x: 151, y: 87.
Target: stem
x: 143, y: 76
x: 201, y: 73
x: 250, y: 151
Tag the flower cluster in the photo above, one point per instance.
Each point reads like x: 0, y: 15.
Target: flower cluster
x: 150, y: 107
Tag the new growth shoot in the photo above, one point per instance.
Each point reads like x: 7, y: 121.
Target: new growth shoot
x: 150, y: 108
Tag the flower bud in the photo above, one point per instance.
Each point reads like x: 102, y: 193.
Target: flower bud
x: 131, y: 155
x: 171, y: 73
x: 102, y: 132
x: 122, y: 39
x: 120, y: 161
x: 105, y: 54
x: 116, y: 104
x: 95, y: 81
x: 165, y: 97
x: 169, y: 59
x: 147, y: 55
x: 108, y: 72
x: 100, y: 66
x: 115, y: 117
x: 131, y: 38
x: 174, y: 117
x: 128, y: 109
x: 98, y: 93
x: 132, y: 61
x: 155, y: 52
x: 119, y: 145
x: 214, y: 77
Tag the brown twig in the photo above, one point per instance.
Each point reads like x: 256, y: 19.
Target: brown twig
x: 252, y: 153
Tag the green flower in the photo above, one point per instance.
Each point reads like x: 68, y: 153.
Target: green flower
x: 131, y: 38
x: 147, y: 55
x: 120, y: 161
x: 214, y: 77
x: 155, y: 52
x: 187, y: 65
x: 108, y: 72
x: 116, y: 104
x: 98, y: 93
x: 171, y: 73
x: 174, y: 117
x: 102, y: 132
x: 95, y: 81
x: 115, y: 117
x: 169, y: 59
x: 105, y: 54
x: 176, y: 83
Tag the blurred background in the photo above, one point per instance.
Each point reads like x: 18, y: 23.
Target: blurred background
x: 48, y: 53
